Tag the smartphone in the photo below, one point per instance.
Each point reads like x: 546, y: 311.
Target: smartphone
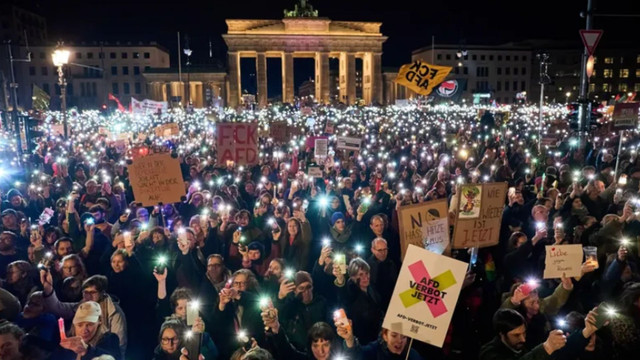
x: 605, y: 313
x: 127, y: 239
x: 341, y: 261
x: 340, y: 317
x: 192, y: 312
x: 193, y: 343
x: 474, y: 257
x: 528, y: 287
x: 161, y: 264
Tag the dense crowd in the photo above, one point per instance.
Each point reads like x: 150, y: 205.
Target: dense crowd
x: 265, y: 261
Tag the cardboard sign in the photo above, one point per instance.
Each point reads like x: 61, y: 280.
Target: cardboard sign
x: 321, y: 148
x: 562, y: 259
x: 238, y: 142
x: 425, y: 296
x: 421, y: 77
x: 310, y: 141
x: 314, y: 171
x: 625, y: 116
x: 349, y: 143
x: 156, y: 178
x: 57, y: 129
x: 479, y: 215
x: 278, y: 131
x: 167, y: 130
x: 425, y: 225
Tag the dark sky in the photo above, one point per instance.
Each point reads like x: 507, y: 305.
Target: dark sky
x: 408, y: 23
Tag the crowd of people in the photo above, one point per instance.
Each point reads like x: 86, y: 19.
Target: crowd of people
x: 266, y: 262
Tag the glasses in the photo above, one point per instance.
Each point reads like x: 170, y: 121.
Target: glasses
x: 305, y: 288
x: 166, y: 341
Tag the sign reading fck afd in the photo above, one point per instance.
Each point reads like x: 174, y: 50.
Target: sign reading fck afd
x: 238, y: 142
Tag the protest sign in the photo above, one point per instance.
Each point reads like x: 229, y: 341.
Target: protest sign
x: 425, y: 296
x: 349, y: 143
x: 314, y: 171
x: 625, y: 116
x: 329, y: 127
x: 278, y: 131
x: 156, y: 178
x: 479, y: 215
x: 321, y: 148
x: 167, y: 130
x: 563, y: 259
x: 425, y: 225
x: 421, y: 77
x: 57, y: 129
x: 238, y: 142
x: 310, y: 141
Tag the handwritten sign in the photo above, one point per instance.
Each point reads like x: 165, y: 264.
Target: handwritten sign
x: 321, y: 148
x: 562, y: 259
x: 479, y: 215
x: 314, y: 171
x: 278, y: 131
x: 156, y: 178
x: 167, y: 130
x: 625, y: 116
x: 425, y: 296
x: 238, y: 142
x: 349, y: 143
x: 425, y: 225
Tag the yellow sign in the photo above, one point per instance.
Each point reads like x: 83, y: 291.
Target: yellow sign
x: 422, y: 77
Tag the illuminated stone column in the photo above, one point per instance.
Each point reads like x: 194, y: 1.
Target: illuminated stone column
x: 322, y: 77
x: 287, y: 77
x: 376, y: 78
x: 177, y: 89
x: 261, y: 78
x: 347, y: 78
x: 164, y: 91
x: 233, y: 96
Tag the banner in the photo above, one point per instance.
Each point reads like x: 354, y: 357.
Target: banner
x: 422, y: 77
x: 450, y: 90
x: 348, y: 143
x: 425, y: 296
x: 321, y: 148
x: 479, y: 215
x: 425, y: 225
x: 625, y: 116
x: 40, y: 99
x: 563, y: 260
x: 237, y: 142
x: 147, y: 106
x: 167, y: 130
x: 155, y: 179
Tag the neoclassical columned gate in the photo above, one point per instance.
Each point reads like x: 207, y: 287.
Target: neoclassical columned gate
x: 307, y: 37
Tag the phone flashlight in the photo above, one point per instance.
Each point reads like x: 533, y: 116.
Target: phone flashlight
x: 288, y: 274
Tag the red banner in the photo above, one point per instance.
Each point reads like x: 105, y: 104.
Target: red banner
x: 238, y: 142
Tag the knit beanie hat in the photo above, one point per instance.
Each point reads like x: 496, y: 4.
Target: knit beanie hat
x: 336, y: 216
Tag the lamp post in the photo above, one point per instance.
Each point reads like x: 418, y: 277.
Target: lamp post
x: 60, y: 58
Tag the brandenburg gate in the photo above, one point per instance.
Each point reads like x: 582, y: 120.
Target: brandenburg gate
x: 302, y: 34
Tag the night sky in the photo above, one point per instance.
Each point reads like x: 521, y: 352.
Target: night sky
x: 409, y: 24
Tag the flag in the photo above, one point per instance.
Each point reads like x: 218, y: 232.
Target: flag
x: 450, y: 90
x: 113, y: 98
x: 422, y: 77
x: 40, y: 99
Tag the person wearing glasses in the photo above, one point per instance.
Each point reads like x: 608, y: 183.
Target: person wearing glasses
x: 300, y: 308
x: 112, y: 318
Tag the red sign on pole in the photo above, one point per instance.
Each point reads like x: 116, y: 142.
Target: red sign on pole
x: 590, y: 38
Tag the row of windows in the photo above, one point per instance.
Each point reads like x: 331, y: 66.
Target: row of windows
x: 483, y: 71
x: 622, y: 73
x: 484, y: 57
x: 126, y: 88
x: 612, y: 60
x: 112, y: 55
x: 484, y: 86
x: 606, y: 87
x: 44, y: 71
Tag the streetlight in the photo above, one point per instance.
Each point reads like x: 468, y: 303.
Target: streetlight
x: 568, y: 94
x: 60, y: 58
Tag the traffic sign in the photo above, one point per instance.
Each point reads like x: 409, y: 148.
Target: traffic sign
x: 590, y: 38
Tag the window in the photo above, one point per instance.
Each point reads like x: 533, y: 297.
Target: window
x: 482, y: 57
x: 638, y: 73
x: 147, y: 68
x: 506, y: 86
x: 608, y: 60
x: 78, y: 55
x: 482, y: 86
x: 507, y: 71
x: 457, y: 70
x: 638, y: 59
x: 45, y: 71
x: 624, y: 73
x: 482, y: 71
x: 45, y: 87
x: 499, y: 86
x: 490, y: 57
x: 636, y: 87
x: 592, y: 87
x: 124, y: 55
x: 593, y: 73
x: 114, y: 70
x: 137, y: 88
x: 606, y: 87
x: 448, y: 56
x: 136, y: 55
x: 439, y: 57
x: 621, y: 60
x: 607, y: 73
x: 147, y: 55
x: 474, y: 57
x: 125, y: 70
x: 523, y: 86
x: 136, y: 70
x: 515, y: 71
x: 507, y: 57
x: 465, y: 70
x: 499, y: 71
x: 524, y: 71
x: 89, y: 55
x: 57, y: 88
x: 516, y: 58
x: 524, y: 57
x: 622, y: 87
x: 82, y: 90
x: 101, y: 55
x: 115, y: 89
x: 126, y: 88
x: 499, y: 57
x: 515, y: 85
x: 32, y: 70
x: 94, y: 89
x: 112, y: 55
x: 595, y: 59
x: 70, y: 89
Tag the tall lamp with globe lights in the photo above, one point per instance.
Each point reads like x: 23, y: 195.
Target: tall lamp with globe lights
x: 60, y: 58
